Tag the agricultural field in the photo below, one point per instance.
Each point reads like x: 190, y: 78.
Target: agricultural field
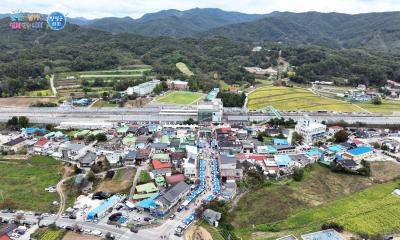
x: 184, y: 69
x: 24, y: 101
x: 180, y: 97
x: 40, y: 93
x: 48, y: 234
x: 16, y: 179
x: 372, y: 211
x: 293, y: 99
x: 122, y: 181
x: 299, y: 207
x: 69, y: 84
x: 387, y: 106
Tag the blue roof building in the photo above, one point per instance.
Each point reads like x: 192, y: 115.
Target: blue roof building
x: 282, y: 160
x: 30, y: 131
x: 336, y: 148
x: 212, y: 94
x: 280, y: 141
x: 268, y: 149
x: 358, y: 153
x: 100, y: 210
x: 314, y: 153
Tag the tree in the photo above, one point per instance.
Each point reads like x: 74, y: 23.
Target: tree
x: 298, y: 174
x: 384, y: 148
x: 376, y: 101
x: 101, y: 137
x: 91, y: 138
x: 23, y: 121
x: 105, y: 96
x: 13, y: 122
x: 341, y: 136
x: 332, y: 225
x: 296, y: 138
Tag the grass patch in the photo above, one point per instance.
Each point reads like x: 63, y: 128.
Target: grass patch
x: 39, y: 93
x: 216, y: 235
x: 144, y: 177
x: 387, y: 106
x: 224, y: 86
x: 184, y: 69
x: 105, y: 104
x: 24, y: 182
x: 293, y: 99
x: 180, y: 97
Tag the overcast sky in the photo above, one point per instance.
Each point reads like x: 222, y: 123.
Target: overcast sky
x: 136, y: 8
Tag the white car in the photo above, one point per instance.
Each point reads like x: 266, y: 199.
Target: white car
x: 96, y: 233
x: 87, y: 231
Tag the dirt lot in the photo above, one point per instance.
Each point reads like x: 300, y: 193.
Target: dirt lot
x: 23, y: 101
x: 137, y: 103
x: 197, y: 233
x: 118, y: 183
x: 385, y: 171
x: 76, y: 236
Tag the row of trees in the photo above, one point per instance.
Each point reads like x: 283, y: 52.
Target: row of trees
x: 232, y: 99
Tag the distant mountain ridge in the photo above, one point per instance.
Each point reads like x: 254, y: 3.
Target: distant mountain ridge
x: 379, y: 31
x: 336, y: 30
x: 171, y: 22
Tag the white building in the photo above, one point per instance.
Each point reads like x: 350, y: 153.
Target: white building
x: 190, y: 167
x: 311, y: 131
x: 190, y: 164
x: 144, y: 88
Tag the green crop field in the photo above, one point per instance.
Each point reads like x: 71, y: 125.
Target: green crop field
x: 48, y: 234
x: 180, y: 97
x: 358, y: 203
x: 184, y: 69
x: 40, y: 93
x: 372, y: 211
x: 23, y: 182
x: 133, y: 75
x: 292, y: 99
x: 386, y: 106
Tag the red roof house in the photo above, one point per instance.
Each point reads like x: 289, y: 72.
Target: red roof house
x: 41, y: 142
x: 158, y: 165
x: 173, y: 179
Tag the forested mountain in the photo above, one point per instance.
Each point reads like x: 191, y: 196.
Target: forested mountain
x: 172, y: 22
x: 380, y: 31
x: 26, y: 56
x: 335, y: 30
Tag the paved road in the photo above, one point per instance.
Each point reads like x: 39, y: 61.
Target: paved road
x: 176, y: 113
x: 53, y: 88
x: 166, y: 229
x: 135, y: 181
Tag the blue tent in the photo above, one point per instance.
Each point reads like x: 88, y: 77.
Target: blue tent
x: 148, y: 203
